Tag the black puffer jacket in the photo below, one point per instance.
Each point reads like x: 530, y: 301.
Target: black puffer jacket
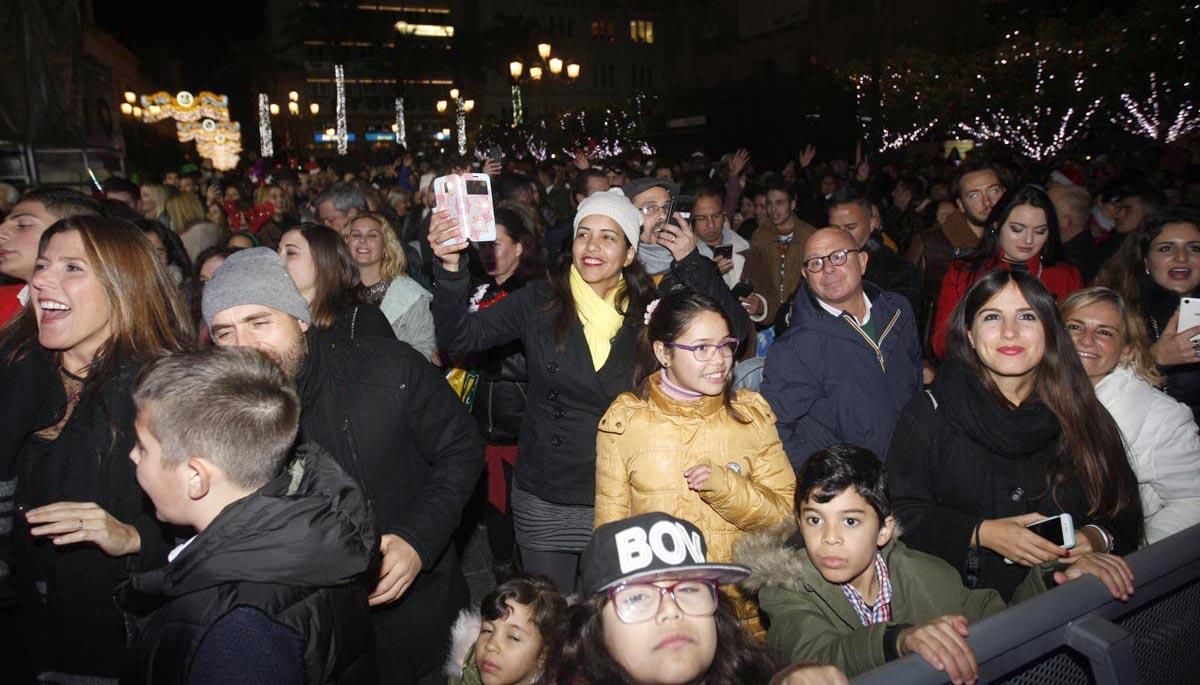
x: 959, y: 457
x: 298, y: 550
x: 67, y: 592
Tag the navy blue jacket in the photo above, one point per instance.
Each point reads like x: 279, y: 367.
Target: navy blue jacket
x: 829, y: 383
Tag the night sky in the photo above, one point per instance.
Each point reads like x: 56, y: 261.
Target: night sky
x: 216, y: 44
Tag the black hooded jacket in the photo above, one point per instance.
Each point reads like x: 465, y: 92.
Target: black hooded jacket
x: 298, y: 550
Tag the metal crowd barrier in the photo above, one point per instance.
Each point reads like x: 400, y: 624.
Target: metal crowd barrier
x: 1077, y: 634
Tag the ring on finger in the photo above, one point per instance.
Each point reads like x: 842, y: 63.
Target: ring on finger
x: 80, y: 526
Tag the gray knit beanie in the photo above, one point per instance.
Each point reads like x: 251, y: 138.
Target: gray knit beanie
x: 253, y: 276
x: 614, y: 205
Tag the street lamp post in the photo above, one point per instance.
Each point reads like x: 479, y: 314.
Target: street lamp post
x: 462, y: 107
x: 558, y: 68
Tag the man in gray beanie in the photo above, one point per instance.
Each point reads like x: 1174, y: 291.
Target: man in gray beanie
x: 392, y: 422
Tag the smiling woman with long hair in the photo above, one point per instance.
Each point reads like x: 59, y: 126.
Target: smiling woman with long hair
x: 1010, y: 432
x: 320, y: 265
x: 102, y: 305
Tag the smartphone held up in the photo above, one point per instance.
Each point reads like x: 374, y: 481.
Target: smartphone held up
x: 468, y: 198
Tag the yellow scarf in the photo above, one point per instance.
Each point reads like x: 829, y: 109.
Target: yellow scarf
x: 600, y: 318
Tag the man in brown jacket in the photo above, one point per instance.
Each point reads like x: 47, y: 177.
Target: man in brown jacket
x: 781, y: 241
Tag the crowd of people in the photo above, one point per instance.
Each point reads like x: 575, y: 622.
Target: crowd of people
x: 722, y: 424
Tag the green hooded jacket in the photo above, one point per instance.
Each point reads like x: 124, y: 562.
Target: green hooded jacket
x: 812, y: 621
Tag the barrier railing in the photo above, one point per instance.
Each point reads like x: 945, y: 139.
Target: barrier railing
x: 1077, y: 634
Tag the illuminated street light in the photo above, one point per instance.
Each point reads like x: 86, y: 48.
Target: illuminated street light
x: 535, y: 73
x: 544, y: 50
x: 556, y: 66
x: 515, y: 68
x: 573, y: 71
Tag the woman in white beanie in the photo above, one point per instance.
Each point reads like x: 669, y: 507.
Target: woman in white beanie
x: 579, y: 329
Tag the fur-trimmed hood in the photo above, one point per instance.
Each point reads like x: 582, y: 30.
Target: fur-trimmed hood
x: 775, y: 557
x: 463, y: 636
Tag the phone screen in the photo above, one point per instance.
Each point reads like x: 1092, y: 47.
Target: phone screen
x: 1051, y: 529
x: 477, y: 188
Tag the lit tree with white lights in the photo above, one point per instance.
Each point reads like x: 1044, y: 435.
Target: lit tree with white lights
x: 1035, y: 99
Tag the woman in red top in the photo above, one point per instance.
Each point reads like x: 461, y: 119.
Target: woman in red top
x: 1022, y: 233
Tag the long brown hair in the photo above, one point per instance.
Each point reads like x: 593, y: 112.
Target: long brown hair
x: 637, y: 292
x: 1090, y: 448
x: 672, y: 316
x: 1125, y: 271
x: 149, y: 317
x: 336, y: 273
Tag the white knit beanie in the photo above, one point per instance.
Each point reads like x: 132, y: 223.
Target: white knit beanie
x: 614, y: 205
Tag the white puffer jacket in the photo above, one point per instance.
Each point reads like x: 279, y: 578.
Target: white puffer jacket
x: 1163, y: 443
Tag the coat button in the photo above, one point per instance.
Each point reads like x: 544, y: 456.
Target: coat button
x: 1016, y: 493
x: 552, y: 395
x: 552, y: 367
x: 558, y: 413
x: 556, y: 440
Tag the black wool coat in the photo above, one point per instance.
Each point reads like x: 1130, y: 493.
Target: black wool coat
x: 958, y: 457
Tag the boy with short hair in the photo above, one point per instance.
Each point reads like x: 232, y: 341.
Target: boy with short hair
x: 273, y: 587
x: 850, y: 593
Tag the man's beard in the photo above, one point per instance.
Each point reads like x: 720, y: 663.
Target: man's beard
x: 292, y: 358
x: 977, y: 221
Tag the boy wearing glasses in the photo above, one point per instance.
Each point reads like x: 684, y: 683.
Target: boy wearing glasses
x: 850, y: 359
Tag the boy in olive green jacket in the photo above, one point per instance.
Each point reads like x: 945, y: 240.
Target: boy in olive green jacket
x: 843, y: 591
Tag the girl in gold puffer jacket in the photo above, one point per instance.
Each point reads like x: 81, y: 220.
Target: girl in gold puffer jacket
x: 685, y: 444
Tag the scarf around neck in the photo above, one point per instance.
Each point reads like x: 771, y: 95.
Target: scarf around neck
x: 599, y: 316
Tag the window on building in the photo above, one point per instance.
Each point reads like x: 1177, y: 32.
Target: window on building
x: 603, y: 30
x: 641, y: 31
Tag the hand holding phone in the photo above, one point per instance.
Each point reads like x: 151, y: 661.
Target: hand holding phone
x: 723, y: 251
x: 468, y: 199
x: 1057, y: 530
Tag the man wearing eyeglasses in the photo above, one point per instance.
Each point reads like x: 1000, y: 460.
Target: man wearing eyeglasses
x: 849, y: 362
x: 740, y: 263
x: 667, y: 250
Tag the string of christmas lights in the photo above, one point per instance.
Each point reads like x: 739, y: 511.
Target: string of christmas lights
x: 343, y: 141
x: 265, y: 147
x: 518, y: 117
x: 1145, y: 118
x: 460, y: 125
x: 401, y: 132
